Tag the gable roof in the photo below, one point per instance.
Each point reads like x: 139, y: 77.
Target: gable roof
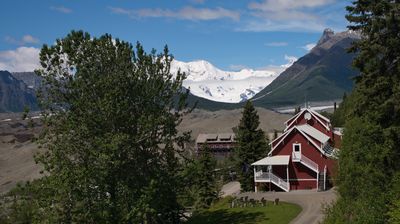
x: 316, y: 134
x: 308, y: 132
x: 313, y: 113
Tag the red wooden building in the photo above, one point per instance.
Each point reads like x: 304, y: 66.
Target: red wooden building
x: 303, y: 157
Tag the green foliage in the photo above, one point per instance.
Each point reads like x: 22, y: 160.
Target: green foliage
x: 362, y: 167
x: 317, y: 77
x: 110, y: 117
x: 221, y: 213
x: 378, y: 85
x: 251, y: 146
x: 25, y: 113
x: 342, y: 113
x: 206, y: 181
x: 368, y: 165
x: 204, y: 187
x: 23, y: 204
x: 394, y: 206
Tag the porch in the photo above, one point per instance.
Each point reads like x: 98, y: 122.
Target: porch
x: 263, y: 171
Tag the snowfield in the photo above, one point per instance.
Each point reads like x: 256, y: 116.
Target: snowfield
x: 207, y: 81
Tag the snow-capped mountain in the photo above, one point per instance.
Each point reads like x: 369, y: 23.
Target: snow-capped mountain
x: 206, y: 81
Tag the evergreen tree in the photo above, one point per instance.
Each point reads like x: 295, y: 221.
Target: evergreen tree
x: 370, y: 150
x: 110, y: 117
x: 394, y: 206
x: 342, y: 114
x: 206, y: 180
x: 251, y: 146
x: 362, y: 167
x: 378, y: 84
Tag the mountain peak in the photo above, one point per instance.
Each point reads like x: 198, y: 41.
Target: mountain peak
x: 207, y: 81
x: 326, y: 35
x: 329, y: 38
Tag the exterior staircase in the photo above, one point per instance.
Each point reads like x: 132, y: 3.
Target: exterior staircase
x: 270, y: 177
x: 305, y: 161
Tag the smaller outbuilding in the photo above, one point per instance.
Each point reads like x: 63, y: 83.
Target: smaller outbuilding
x: 220, y: 144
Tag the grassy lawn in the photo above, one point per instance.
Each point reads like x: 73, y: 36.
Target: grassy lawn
x: 220, y: 213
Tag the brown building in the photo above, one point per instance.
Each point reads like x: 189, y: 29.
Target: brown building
x: 220, y: 144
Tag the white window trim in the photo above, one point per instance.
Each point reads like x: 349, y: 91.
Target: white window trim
x: 293, y: 147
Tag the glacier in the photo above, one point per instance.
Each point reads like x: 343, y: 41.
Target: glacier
x: 209, y: 82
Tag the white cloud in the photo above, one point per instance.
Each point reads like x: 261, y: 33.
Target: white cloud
x: 121, y: 11
x: 186, y: 13
x: 27, y: 39
x: 276, y: 44
x: 30, y: 39
x: 284, y: 5
x: 61, y: 9
x: 260, y: 25
x: 280, y: 68
x: 286, y: 15
x: 290, y: 60
x: 277, y: 69
x: 22, y: 59
x: 309, y: 46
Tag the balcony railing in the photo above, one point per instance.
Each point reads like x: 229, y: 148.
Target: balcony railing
x: 306, y: 161
x: 270, y: 177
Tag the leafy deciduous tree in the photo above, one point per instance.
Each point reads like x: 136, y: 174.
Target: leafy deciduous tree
x: 110, y: 117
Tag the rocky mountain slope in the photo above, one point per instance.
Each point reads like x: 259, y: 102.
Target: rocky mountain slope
x: 15, y: 94
x: 32, y: 80
x: 324, y: 74
x: 321, y: 75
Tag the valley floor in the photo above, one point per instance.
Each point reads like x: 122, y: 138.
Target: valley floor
x: 17, y: 148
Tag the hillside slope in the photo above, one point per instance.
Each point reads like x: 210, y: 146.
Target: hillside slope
x: 323, y: 74
x: 15, y: 94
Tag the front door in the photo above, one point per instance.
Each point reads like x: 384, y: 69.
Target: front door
x: 296, y: 151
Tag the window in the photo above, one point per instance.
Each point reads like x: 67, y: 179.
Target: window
x: 296, y: 147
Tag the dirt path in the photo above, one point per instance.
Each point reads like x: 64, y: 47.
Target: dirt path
x: 311, y: 202
x: 231, y: 188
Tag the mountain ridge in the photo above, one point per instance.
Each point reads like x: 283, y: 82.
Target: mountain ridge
x: 209, y: 82
x: 15, y: 95
x: 321, y: 75
x: 324, y: 74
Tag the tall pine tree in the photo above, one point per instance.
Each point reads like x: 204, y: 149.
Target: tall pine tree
x: 251, y: 146
x: 206, y: 180
x: 368, y: 160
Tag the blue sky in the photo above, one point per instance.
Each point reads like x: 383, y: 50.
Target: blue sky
x: 229, y: 34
